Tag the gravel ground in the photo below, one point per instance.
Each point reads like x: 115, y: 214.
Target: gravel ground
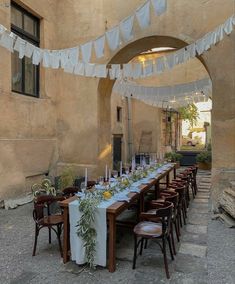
x: 206, y: 254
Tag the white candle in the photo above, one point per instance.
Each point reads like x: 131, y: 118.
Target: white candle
x: 106, y: 173
x: 120, y: 168
x: 86, y: 177
x: 133, y: 164
x: 109, y: 174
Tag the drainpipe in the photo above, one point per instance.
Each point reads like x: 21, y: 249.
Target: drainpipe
x: 129, y: 128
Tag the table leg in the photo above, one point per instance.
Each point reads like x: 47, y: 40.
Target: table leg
x: 66, y: 235
x: 167, y: 179
x: 174, y: 172
x: 112, y: 242
x: 157, y: 190
x: 141, y: 202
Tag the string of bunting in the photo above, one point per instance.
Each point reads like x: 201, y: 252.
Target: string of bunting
x: 123, y: 32
x: 68, y: 59
x: 173, y: 96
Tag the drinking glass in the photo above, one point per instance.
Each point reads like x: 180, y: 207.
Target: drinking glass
x: 115, y: 174
x: 101, y: 180
x: 83, y: 187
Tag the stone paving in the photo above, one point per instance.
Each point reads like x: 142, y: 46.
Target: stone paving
x: 206, y: 253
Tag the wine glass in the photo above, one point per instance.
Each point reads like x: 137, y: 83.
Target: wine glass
x: 101, y: 180
x: 115, y: 174
x: 127, y: 170
x: 83, y: 187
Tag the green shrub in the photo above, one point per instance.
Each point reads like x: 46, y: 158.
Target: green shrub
x: 173, y: 156
x: 204, y: 157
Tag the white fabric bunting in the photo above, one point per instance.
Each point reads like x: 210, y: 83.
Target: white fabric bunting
x: 143, y: 15
x: 159, y: 6
x: 127, y: 70
x: 99, y: 46
x: 137, y: 70
x: 29, y: 48
x: 113, y: 38
x: 89, y: 69
x: 69, y: 68
x: 46, y: 60
x: 20, y: 47
x: 160, y: 65
x: 37, y: 55
x: 79, y: 69
x: 73, y: 54
x: 115, y: 72
x: 7, y: 41
x: 181, y: 94
x: 55, y: 59
x: 126, y: 28
x: 101, y: 71
x: 228, y: 26
x: 86, y: 51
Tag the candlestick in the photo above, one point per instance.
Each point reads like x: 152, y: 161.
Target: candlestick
x: 109, y: 175
x: 106, y: 173
x: 86, y: 177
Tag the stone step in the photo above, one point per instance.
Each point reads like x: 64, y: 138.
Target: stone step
x: 199, y: 239
x: 193, y: 249
x: 201, y: 200
x: 196, y: 229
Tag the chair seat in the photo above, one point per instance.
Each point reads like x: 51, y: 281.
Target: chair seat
x: 148, y: 229
x: 51, y: 220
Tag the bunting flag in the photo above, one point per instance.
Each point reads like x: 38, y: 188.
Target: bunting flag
x: 86, y: 51
x: 113, y: 38
x: 99, y: 46
x: 143, y: 15
x: 174, y: 96
x: 126, y: 28
x: 68, y: 59
x: 159, y: 6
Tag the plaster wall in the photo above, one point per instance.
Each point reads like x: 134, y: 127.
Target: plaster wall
x: 27, y: 125
x: 74, y: 113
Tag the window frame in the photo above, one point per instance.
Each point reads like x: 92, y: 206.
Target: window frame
x: 35, y: 40
x: 119, y: 114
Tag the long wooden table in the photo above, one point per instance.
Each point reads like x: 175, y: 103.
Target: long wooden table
x: 113, y: 212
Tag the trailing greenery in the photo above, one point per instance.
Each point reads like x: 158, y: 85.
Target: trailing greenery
x: 45, y: 187
x: 204, y: 157
x: 86, y: 231
x: 189, y: 113
x: 173, y: 156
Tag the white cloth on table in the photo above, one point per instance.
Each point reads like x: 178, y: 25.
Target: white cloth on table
x: 77, y: 244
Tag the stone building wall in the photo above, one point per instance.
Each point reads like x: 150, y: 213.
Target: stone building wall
x: 70, y: 124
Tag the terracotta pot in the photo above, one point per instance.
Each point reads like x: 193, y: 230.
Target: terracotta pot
x: 204, y: 166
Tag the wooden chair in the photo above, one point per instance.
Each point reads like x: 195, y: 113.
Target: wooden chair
x: 171, y: 196
x: 156, y: 226
x: 43, y: 218
x: 70, y: 191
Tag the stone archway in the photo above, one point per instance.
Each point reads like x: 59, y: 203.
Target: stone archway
x: 222, y: 121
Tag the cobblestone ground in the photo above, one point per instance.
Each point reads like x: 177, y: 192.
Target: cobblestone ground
x: 206, y: 253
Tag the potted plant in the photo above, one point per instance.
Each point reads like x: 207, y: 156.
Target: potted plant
x: 204, y: 160
x: 45, y: 187
x: 174, y: 158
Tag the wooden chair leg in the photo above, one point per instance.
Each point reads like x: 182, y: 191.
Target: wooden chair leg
x: 135, y: 252
x: 170, y: 247
x: 49, y: 229
x: 59, y: 240
x: 146, y: 243
x: 177, y: 232
x: 35, y: 239
x: 165, y: 258
x: 172, y: 240
x: 141, y: 246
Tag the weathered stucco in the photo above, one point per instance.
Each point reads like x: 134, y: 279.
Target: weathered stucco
x: 71, y: 121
